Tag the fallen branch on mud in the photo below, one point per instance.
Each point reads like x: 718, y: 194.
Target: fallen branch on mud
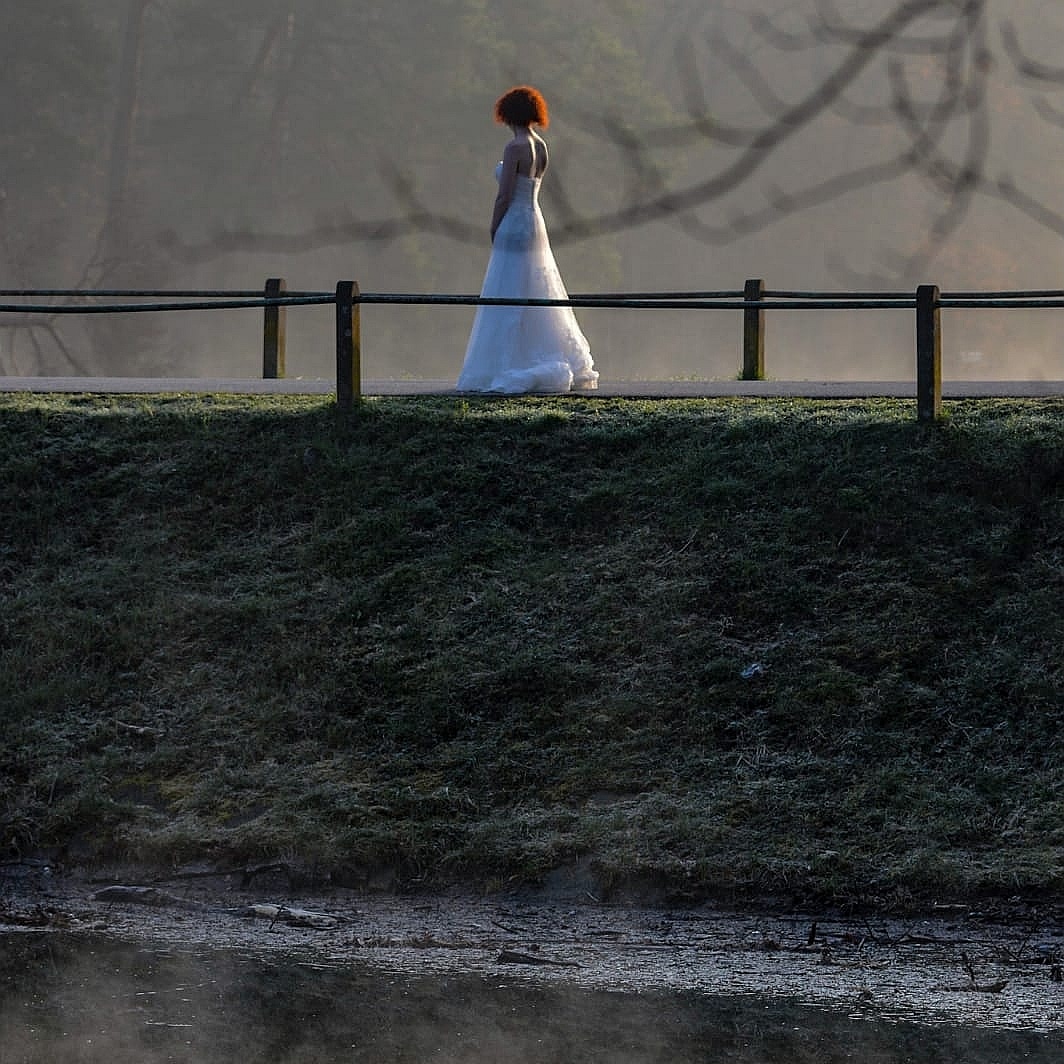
x: 284, y: 914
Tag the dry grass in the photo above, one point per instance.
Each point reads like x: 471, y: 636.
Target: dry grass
x: 480, y: 639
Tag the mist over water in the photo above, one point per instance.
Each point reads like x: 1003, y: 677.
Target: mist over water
x: 185, y: 144
x: 67, y: 998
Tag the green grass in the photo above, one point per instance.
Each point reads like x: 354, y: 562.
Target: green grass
x: 480, y: 640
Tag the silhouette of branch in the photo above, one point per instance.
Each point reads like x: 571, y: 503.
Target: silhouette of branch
x: 944, y: 125
x: 833, y: 27
x: 656, y: 202
x: 770, y: 102
x: 1008, y: 192
x: 867, y: 46
x: 323, y: 235
x: 702, y: 124
x: 1027, y: 67
x: 31, y: 326
x: 925, y: 124
x: 1045, y: 110
x: 782, y: 40
x: 783, y: 203
x: 956, y: 184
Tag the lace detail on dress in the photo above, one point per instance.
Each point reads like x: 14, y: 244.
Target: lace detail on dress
x: 525, y: 349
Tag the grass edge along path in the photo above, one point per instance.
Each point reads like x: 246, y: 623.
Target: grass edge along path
x: 726, y: 647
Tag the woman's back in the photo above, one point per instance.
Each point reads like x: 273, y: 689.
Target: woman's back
x: 531, y: 151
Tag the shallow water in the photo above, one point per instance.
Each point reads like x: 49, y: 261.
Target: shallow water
x: 86, y: 997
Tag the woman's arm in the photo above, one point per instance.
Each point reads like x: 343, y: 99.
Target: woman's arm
x: 507, y: 181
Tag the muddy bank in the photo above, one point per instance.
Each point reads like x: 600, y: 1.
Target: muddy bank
x: 956, y: 964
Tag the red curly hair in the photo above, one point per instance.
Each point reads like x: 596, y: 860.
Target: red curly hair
x: 522, y: 106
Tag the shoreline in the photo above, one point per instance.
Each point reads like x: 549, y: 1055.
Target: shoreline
x: 960, y: 967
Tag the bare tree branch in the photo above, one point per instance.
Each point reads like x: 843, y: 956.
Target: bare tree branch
x: 833, y: 27
x: 1024, y: 65
x: 867, y: 46
x: 935, y: 55
x: 754, y: 149
x: 1045, y: 110
x: 1005, y: 190
x: 770, y: 102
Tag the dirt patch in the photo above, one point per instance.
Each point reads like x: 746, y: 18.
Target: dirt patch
x: 997, y: 968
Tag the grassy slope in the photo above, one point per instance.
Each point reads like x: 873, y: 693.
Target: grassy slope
x: 481, y: 640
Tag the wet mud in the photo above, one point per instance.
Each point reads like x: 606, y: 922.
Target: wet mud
x: 956, y: 968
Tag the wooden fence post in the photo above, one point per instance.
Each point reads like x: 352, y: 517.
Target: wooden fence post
x: 348, y: 344
x: 754, y: 333
x: 928, y: 353
x: 274, y: 327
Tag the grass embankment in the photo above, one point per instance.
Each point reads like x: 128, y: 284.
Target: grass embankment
x: 483, y: 640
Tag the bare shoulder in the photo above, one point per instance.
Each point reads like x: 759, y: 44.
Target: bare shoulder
x: 517, y: 155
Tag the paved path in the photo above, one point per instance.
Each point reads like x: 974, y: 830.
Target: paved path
x: 644, y: 389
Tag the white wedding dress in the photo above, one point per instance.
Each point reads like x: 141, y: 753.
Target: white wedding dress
x: 525, y: 349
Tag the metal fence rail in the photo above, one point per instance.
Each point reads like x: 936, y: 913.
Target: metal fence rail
x: 753, y: 300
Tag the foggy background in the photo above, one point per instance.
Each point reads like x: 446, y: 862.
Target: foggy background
x: 843, y: 145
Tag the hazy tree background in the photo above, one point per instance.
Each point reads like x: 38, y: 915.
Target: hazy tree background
x: 844, y: 144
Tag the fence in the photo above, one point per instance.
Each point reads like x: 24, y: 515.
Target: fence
x: 754, y: 301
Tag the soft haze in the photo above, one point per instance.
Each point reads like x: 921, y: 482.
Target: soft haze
x: 187, y: 144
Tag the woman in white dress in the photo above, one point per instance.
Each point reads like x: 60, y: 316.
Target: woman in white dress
x: 524, y: 349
